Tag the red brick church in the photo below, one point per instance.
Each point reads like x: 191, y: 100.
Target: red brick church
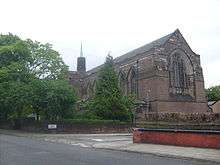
x: 165, y: 73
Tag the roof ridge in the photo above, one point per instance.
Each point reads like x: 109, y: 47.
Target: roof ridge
x: 141, y: 49
x: 146, y: 47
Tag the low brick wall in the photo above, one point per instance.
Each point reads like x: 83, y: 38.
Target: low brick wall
x: 34, y: 126
x: 192, y: 138
x: 80, y: 128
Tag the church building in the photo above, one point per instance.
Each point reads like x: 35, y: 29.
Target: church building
x: 165, y: 73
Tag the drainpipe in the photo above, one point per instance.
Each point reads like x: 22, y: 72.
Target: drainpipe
x: 137, y: 80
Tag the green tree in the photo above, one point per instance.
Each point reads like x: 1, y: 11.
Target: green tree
x: 8, y: 39
x: 46, y: 63
x: 14, y: 76
x: 40, y: 59
x: 108, y: 101
x: 53, y: 100
x: 33, y: 80
x: 16, y: 99
x: 213, y: 93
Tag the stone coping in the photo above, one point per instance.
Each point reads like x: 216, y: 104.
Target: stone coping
x: 178, y: 130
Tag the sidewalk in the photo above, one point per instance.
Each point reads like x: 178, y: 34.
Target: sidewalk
x: 168, y: 151
x: 123, y: 142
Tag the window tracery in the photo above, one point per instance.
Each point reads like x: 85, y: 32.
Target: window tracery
x: 122, y: 81
x: 181, y: 75
x: 132, y: 81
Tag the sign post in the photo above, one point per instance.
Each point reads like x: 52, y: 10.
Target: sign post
x: 52, y: 126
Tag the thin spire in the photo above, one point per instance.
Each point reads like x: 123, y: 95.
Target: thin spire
x: 81, y: 51
x: 109, y: 53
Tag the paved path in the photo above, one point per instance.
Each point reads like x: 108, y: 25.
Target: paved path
x: 15, y: 150
x: 123, y: 142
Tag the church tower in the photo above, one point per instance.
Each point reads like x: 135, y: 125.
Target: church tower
x: 81, y: 62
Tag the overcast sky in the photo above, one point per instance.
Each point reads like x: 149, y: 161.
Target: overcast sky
x: 117, y: 26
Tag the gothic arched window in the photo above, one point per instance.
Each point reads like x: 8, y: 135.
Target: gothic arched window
x: 122, y: 81
x: 132, y: 80
x: 180, y: 73
x: 94, y: 86
x: 89, y: 90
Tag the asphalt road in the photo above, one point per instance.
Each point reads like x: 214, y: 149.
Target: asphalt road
x: 16, y: 150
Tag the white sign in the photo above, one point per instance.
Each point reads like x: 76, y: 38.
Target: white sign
x: 52, y: 126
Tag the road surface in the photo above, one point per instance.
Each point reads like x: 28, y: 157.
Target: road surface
x: 16, y: 150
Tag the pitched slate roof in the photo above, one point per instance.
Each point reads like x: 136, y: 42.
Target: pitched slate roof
x: 140, y: 50
x: 144, y: 48
x: 94, y: 70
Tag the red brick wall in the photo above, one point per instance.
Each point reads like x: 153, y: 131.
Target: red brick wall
x: 193, y: 139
